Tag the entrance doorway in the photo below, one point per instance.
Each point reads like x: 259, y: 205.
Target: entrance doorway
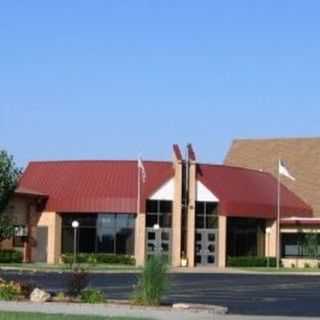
x: 206, y: 237
x: 206, y: 247
x: 159, y: 242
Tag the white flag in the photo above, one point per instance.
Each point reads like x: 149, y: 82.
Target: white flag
x: 283, y: 170
x: 142, y: 170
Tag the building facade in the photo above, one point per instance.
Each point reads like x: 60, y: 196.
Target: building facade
x: 183, y: 210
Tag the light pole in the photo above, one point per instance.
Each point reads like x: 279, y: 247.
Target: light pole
x: 268, y: 232
x: 75, y: 226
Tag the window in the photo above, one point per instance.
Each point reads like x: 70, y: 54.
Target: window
x: 100, y: 233
x: 19, y: 238
x: 206, y: 215
x: 303, y: 245
x: 159, y: 212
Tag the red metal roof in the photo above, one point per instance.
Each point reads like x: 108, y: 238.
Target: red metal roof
x: 93, y: 186
x: 249, y: 193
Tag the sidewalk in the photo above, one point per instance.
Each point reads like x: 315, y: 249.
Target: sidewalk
x: 123, y: 311
x: 128, y: 269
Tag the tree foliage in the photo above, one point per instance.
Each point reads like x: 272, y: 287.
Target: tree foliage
x: 9, y: 174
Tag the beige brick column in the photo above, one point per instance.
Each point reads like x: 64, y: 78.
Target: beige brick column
x: 140, y: 239
x: 191, y: 214
x: 177, y: 213
x: 271, y: 238
x: 53, y: 221
x: 222, y: 241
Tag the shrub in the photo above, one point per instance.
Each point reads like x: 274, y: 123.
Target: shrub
x: 9, y: 291
x: 79, y: 279
x: 152, y: 283
x: 293, y: 266
x: 92, y: 296
x: 307, y: 265
x: 101, y: 258
x: 251, y: 262
x: 10, y: 256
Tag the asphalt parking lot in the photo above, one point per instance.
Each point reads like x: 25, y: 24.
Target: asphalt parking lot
x: 277, y: 295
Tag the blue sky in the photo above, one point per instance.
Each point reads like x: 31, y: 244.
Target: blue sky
x: 112, y: 79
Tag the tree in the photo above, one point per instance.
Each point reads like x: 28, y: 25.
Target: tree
x: 9, y: 175
x: 7, y: 229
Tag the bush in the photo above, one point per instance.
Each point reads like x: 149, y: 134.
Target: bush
x: 79, y: 280
x: 92, y: 296
x: 10, y: 256
x: 101, y: 258
x: 251, y: 262
x: 153, y: 282
x: 9, y: 291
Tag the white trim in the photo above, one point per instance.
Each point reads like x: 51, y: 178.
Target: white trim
x: 166, y: 191
x: 204, y: 194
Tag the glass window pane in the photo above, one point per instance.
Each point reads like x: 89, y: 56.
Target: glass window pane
x: 211, y: 208
x: 151, y: 220
x: 125, y: 235
x: 165, y: 236
x: 152, y: 206
x: 211, y: 222
x: 211, y: 237
x: 87, y: 240
x: 199, y: 207
x: 166, y: 206
x: 165, y: 221
x: 106, y: 229
x: 67, y: 240
x: 211, y: 259
x: 200, y: 222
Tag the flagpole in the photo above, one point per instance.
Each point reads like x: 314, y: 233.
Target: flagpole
x: 278, y: 215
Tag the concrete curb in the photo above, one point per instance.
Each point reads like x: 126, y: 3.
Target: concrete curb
x: 161, y: 313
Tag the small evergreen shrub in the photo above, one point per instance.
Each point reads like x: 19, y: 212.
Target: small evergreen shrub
x: 92, y: 296
x: 251, y: 262
x: 153, y: 282
x: 99, y: 258
x: 10, y: 256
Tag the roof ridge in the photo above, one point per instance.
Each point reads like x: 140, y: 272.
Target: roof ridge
x: 94, y: 161
x: 277, y: 139
x: 234, y: 167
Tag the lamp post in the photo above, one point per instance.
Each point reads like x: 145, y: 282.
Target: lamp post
x: 75, y: 226
x: 268, y: 232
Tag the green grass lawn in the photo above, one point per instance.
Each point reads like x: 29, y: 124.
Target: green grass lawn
x: 39, y: 316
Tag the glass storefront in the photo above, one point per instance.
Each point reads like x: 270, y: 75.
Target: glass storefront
x: 300, y: 245
x: 100, y: 233
x: 243, y: 236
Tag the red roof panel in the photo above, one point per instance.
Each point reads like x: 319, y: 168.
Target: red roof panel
x: 93, y: 186
x: 249, y: 193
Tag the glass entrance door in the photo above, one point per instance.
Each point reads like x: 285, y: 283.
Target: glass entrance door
x: 206, y: 247
x: 159, y: 242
